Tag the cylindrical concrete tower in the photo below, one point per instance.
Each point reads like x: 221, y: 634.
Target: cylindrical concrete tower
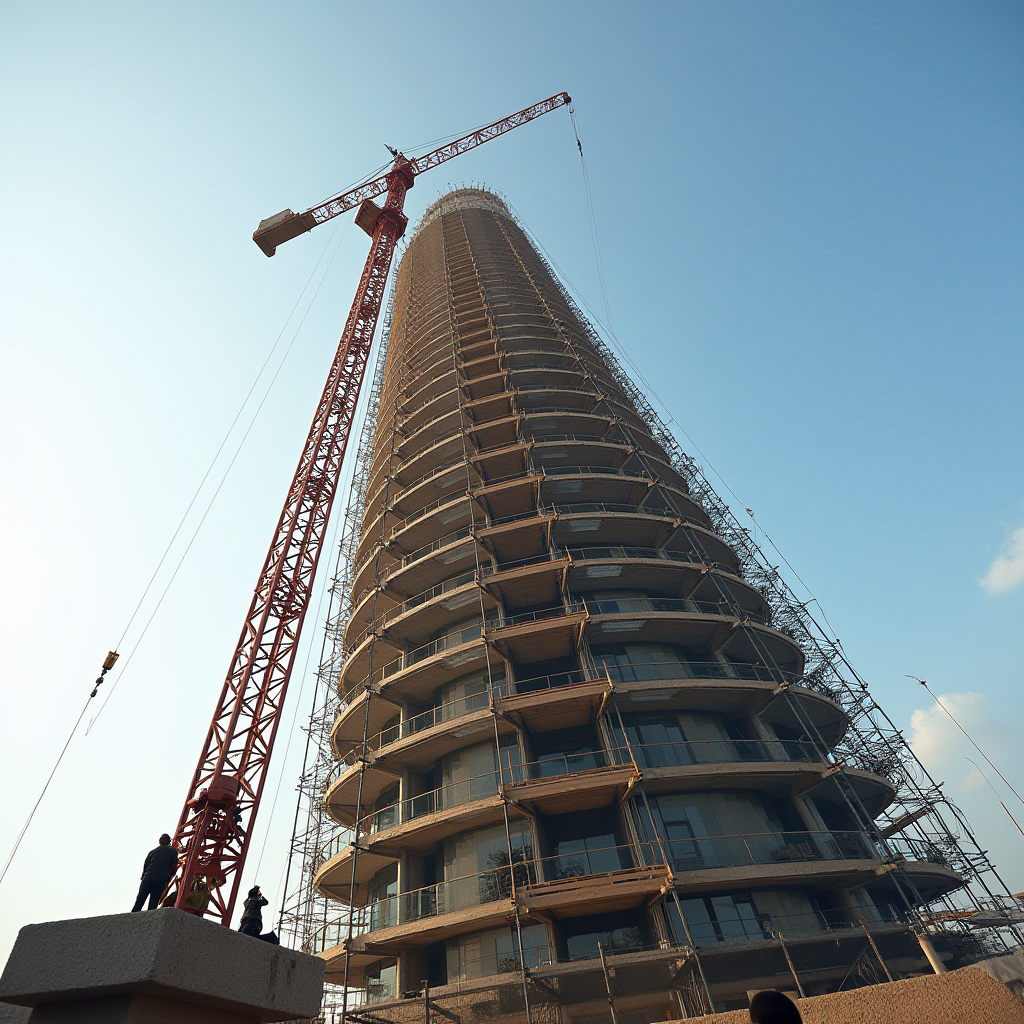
x: 568, y: 719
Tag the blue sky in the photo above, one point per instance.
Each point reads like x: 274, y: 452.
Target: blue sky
x: 811, y: 222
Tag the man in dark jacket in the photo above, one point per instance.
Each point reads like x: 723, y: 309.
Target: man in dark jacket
x: 157, y: 871
x: 252, y: 913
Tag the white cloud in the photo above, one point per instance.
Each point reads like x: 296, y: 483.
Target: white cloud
x: 941, y: 745
x: 1007, y: 571
x: 944, y: 751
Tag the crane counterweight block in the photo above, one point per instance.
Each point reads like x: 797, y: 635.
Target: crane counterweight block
x: 282, y: 227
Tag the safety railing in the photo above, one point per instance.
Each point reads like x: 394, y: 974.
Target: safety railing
x: 480, y: 787
x: 468, y: 634
x: 687, y: 752
x: 518, y: 687
x: 701, y: 853
x: 919, y: 850
x: 553, y: 554
x: 338, y: 842
x: 408, y: 414
x: 526, y: 388
x: 594, y: 551
x: 498, y: 882
x: 533, y: 513
x: 745, y: 924
x: 336, y: 931
x: 667, y: 604
x: 435, y: 545
x: 541, y: 614
x: 654, y: 671
x: 412, y: 517
x: 639, y: 474
x: 416, y: 601
x: 466, y: 705
x: 588, y: 438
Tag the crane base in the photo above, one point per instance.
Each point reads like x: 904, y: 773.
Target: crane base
x: 154, y: 967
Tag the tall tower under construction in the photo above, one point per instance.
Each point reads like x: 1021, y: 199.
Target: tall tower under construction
x: 587, y: 748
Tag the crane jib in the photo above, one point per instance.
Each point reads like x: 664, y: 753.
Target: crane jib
x: 286, y: 225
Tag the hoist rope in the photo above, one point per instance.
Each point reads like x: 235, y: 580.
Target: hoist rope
x: 112, y: 657
x: 594, y: 236
x: 234, y: 457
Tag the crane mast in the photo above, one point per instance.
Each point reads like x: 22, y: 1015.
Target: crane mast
x: 217, y: 820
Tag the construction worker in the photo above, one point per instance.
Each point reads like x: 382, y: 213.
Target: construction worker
x: 157, y: 871
x: 252, y: 916
x: 199, y: 896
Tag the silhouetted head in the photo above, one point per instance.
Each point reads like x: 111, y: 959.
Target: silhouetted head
x: 165, y: 840
x: 254, y: 892
x: 770, y: 1007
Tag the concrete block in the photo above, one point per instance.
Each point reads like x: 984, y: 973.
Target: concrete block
x: 154, y: 967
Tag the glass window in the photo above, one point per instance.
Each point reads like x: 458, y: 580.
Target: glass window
x: 622, y: 932
x: 482, y: 954
x: 590, y: 855
x: 381, y: 981
x: 732, y: 918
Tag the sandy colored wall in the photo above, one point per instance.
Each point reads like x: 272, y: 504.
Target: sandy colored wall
x: 959, y: 997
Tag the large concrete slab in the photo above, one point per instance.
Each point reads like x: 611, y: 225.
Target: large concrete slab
x: 157, y: 966
x: 966, y: 996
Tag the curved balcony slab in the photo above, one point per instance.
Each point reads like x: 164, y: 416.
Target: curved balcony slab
x: 538, y: 582
x: 540, y: 639
x: 518, y: 538
x: 626, y: 889
x: 428, y: 930
x: 653, y: 574
x: 487, y: 386
x: 718, y: 693
x: 701, y: 632
x: 493, y: 432
x: 847, y: 874
x: 506, y: 498
x: 420, y: 750
x: 341, y: 795
x: 419, y: 493
x: 573, y: 791
x: 631, y: 489
x: 347, y: 731
x: 408, y: 629
x: 776, y: 778
x: 784, y: 651
x: 579, y: 450
x: 556, y: 707
x: 933, y: 880
x: 572, y: 399
x: 334, y: 880
x: 428, y: 566
x: 501, y: 462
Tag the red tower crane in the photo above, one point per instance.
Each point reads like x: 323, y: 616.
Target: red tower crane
x: 217, y: 820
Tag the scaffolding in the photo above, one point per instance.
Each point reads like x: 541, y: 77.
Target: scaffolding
x: 921, y: 824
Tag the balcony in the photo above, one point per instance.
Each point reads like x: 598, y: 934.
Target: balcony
x: 784, y: 858
x: 700, y: 625
x: 598, y: 881
x: 625, y: 605
x: 576, y: 782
